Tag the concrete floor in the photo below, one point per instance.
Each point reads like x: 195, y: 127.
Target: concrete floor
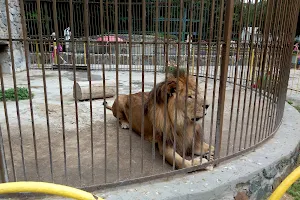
x: 141, y: 165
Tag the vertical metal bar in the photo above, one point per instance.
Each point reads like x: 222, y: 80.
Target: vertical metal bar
x: 190, y: 34
x: 235, y: 77
x: 217, y: 66
x: 87, y: 40
x: 7, y: 125
x: 166, y: 51
x: 143, y: 80
x: 277, y: 107
x: 276, y: 100
x: 241, y: 80
x: 291, y: 28
x: 276, y: 58
x: 260, y: 75
x: 60, y: 90
x: 44, y: 84
x: 286, y: 59
x: 130, y: 83
x: 15, y: 85
x: 187, y: 73
x: 98, y: 32
x: 198, y: 65
x: 177, y: 67
x: 75, y: 91
x: 27, y: 55
x: 223, y: 76
x: 3, y: 167
x: 269, y: 84
x: 208, y: 66
x: 104, y: 91
x: 254, y: 65
x: 92, y: 22
x: 117, y: 85
x: 165, y: 92
x: 251, y: 84
x: 283, y: 68
x: 264, y: 61
x: 154, y: 88
x: 107, y: 17
x: 246, y: 86
x: 196, y: 89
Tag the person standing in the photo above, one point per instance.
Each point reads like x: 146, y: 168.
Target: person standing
x: 67, y: 35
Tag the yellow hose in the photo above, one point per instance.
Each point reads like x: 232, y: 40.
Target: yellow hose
x: 284, y: 186
x: 46, y: 188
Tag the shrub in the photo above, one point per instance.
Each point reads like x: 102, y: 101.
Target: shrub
x: 10, y: 94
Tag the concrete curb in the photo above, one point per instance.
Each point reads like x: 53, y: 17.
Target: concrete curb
x: 256, y: 173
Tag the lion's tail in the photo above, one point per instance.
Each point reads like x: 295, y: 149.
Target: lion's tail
x: 107, y: 106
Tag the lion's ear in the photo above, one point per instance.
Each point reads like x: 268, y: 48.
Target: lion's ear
x: 169, y: 87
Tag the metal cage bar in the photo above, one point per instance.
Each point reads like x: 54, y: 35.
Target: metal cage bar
x: 232, y: 64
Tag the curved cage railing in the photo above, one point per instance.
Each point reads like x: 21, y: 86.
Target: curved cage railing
x: 58, y: 86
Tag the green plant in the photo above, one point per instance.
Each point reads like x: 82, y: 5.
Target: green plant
x: 172, y: 68
x: 294, y: 190
x: 10, y: 94
x: 290, y: 102
x: 298, y: 108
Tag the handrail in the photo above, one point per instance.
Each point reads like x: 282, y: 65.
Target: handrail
x: 46, y: 188
x: 284, y: 186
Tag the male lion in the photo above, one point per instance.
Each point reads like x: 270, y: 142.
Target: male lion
x: 184, y: 125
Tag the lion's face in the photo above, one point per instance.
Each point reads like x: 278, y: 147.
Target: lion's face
x: 192, y: 98
x: 186, y: 99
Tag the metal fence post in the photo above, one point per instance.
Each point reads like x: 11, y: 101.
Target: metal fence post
x: 3, y: 169
x: 223, y: 75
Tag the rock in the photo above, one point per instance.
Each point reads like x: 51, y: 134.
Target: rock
x: 269, y: 172
x: 241, y: 196
x: 264, y: 192
x: 16, y: 33
x: 298, y: 161
x: 276, y: 182
x: 280, y: 166
x: 255, y: 184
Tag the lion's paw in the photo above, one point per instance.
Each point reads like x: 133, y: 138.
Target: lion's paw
x: 197, y: 162
x: 209, y: 167
x: 124, y: 125
x: 210, y: 156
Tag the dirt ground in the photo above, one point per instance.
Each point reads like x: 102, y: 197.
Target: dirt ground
x: 68, y: 146
x: 287, y: 197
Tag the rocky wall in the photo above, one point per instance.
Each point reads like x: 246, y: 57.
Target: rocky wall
x: 16, y: 33
x: 263, y: 184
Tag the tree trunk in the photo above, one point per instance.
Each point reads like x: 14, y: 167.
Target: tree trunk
x: 83, y: 90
